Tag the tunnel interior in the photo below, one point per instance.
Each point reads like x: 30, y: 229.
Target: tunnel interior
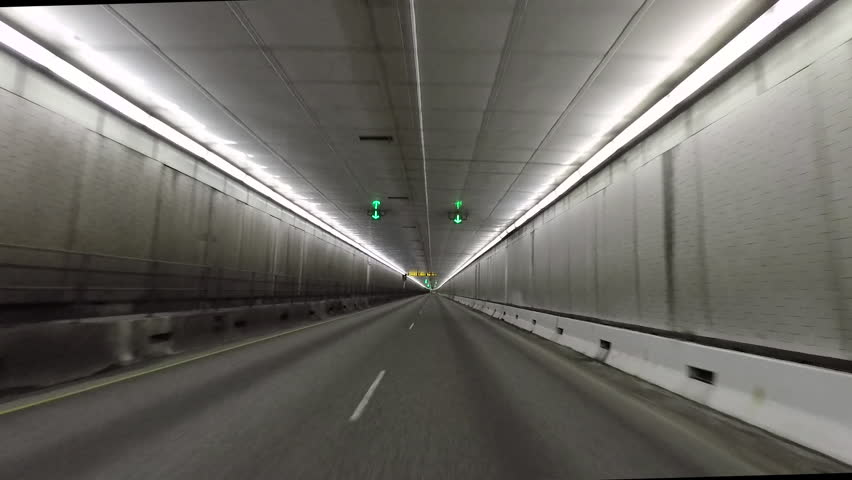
x: 595, y: 237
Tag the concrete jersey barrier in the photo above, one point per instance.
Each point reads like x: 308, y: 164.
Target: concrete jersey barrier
x: 808, y: 405
x: 44, y: 354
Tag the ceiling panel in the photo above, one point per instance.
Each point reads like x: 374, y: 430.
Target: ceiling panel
x: 343, y: 95
x: 585, y: 125
x: 403, y: 97
x: 449, y: 138
x: 500, y: 120
x: 558, y: 157
x: 496, y: 167
x: 464, y: 68
x: 267, y: 117
x: 544, y: 169
x: 287, y: 136
x: 262, y: 97
x: 664, y: 33
x: 546, y: 100
x: 570, y: 27
x: 446, y: 165
x: 490, y: 181
x: 443, y: 152
x: 532, y: 183
x: 386, y: 20
x: 568, y: 143
x: 455, y: 119
x: 176, y: 26
x: 581, y: 8
x: 613, y: 99
x: 454, y: 97
x: 365, y: 119
x: 549, y: 70
x: 504, y: 154
x: 641, y: 72
x: 315, y: 23
x: 445, y: 28
x: 311, y: 65
x: 493, y: 138
x: 447, y: 180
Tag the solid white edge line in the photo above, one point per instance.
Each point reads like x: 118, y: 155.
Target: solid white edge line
x: 364, y: 401
x: 723, y: 58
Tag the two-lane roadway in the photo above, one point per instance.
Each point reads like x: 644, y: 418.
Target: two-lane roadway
x: 422, y: 388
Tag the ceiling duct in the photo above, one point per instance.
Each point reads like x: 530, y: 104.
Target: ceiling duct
x: 375, y: 138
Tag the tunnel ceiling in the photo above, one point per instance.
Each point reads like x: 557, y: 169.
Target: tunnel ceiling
x: 295, y: 84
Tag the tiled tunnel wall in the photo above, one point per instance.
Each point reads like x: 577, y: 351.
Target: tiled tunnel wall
x: 99, y: 217
x: 732, y: 221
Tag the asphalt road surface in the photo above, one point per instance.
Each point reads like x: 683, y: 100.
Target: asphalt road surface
x: 422, y: 388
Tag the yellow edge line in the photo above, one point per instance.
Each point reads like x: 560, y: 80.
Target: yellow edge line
x: 159, y: 368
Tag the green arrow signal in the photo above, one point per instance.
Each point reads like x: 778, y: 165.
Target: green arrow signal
x: 375, y: 215
x: 376, y: 204
x: 458, y: 219
x: 458, y: 204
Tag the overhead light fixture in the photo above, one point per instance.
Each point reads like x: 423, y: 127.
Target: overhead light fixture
x: 416, y: 50
x: 31, y: 50
x: 763, y: 26
x: 255, y: 166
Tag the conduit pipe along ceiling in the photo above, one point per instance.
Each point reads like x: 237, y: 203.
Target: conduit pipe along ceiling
x: 191, y: 142
x: 742, y: 43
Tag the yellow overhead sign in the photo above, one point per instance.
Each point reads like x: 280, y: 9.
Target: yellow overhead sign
x: 415, y: 273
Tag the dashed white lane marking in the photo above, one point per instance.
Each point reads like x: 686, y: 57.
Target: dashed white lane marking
x: 411, y: 326
x: 364, y: 401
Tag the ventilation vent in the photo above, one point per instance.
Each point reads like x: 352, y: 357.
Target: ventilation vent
x: 397, y: 198
x: 160, y: 337
x: 409, y: 226
x: 375, y: 138
x: 701, y: 375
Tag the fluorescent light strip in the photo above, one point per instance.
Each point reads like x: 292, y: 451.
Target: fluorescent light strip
x: 71, y: 74
x: 420, y: 116
x: 726, y: 56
